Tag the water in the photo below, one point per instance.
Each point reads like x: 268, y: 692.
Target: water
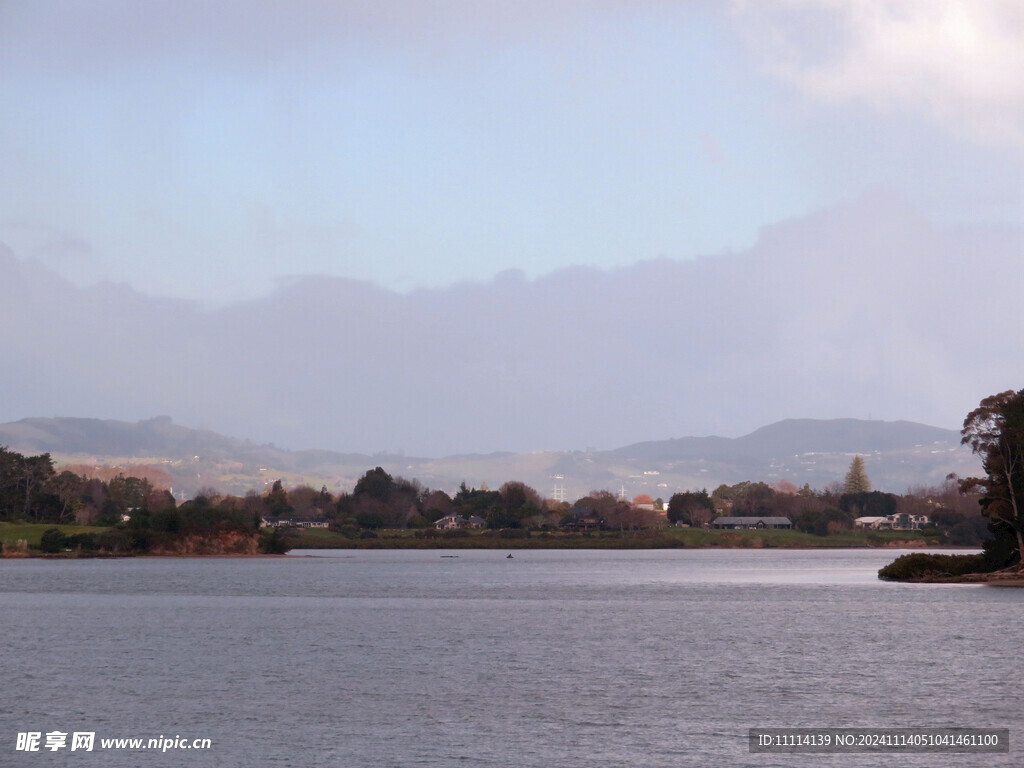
x: 552, y: 658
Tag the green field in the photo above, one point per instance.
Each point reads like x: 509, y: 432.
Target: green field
x: 663, y: 538
x: 10, y: 533
x: 660, y: 538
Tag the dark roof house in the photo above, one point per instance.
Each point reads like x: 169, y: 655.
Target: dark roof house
x: 751, y: 522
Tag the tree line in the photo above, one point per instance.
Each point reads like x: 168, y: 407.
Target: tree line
x: 138, y: 516
x: 144, y: 516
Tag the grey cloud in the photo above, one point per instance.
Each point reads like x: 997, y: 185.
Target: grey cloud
x: 864, y: 311
x: 247, y: 33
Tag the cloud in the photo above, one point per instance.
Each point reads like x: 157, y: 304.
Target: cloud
x: 250, y: 34
x: 958, y: 62
x: 866, y: 311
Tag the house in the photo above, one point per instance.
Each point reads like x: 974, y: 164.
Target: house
x: 643, y: 501
x: 294, y: 522
x: 589, y: 521
x: 751, y: 522
x: 901, y: 521
x: 450, y: 522
x: 873, y: 523
x: 313, y: 522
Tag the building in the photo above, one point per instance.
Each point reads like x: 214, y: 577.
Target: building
x: 589, y: 521
x: 451, y: 522
x: 901, y: 521
x: 294, y: 522
x: 751, y: 522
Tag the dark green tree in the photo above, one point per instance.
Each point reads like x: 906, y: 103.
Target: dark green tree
x: 995, y: 432
x: 276, y: 500
x: 370, y: 520
x: 692, y: 507
x: 69, y: 489
x: 129, y: 492
x: 52, y: 540
x: 870, y: 503
x: 376, y: 483
x: 273, y: 542
x: 22, y: 480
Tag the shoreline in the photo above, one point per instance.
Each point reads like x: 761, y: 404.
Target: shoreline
x: 997, y: 579
x: 513, y: 546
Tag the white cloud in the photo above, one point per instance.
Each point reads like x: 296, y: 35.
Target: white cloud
x: 959, y: 62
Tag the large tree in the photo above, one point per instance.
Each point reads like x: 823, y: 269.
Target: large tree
x: 856, y: 479
x: 692, y: 507
x: 995, y: 432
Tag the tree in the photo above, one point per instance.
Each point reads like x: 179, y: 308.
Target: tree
x: 52, y: 541
x: 276, y: 500
x: 273, y: 542
x: 21, y: 485
x: 693, y: 508
x: 68, y: 488
x: 995, y: 432
x: 436, y: 505
x: 376, y: 483
x: 856, y: 479
x: 869, y: 503
x: 133, y: 492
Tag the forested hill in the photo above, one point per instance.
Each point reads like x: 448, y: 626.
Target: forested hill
x: 898, y: 455
x: 798, y: 436
x: 151, y: 438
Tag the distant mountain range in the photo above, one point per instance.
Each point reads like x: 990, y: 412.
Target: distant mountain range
x: 898, y: 455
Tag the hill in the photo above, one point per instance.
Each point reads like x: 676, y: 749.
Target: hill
x: 898, y: 455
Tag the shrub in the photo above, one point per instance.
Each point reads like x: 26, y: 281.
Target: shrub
x: 273, y: 542
x: 514, y: 533
x: 18, y: 548
x: 115, y: 540
x: 921, y: 565
x: 370, y: 520
x: 52, y: 540
x: 86, y: 542
x: 964, y: 534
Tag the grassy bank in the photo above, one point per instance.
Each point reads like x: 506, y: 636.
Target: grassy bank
x: 664, y: 538
x: 11, y: 533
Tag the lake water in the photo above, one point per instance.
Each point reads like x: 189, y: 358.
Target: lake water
x: 551, y: 658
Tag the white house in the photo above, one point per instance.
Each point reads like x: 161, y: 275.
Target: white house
x: 449, y: 522
x: 294, y: 522
x: 899, y: 522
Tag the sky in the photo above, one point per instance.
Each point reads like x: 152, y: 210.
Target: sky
x: 212, y: 151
